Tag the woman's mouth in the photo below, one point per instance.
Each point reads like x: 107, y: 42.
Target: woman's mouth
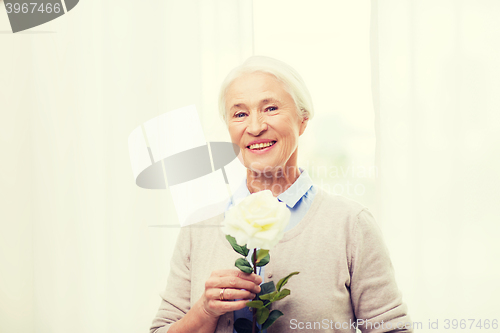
x: 261, y: 146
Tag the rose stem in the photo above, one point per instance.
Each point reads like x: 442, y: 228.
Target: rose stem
x: 254, y: 310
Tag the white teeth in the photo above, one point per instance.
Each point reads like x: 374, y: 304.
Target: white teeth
x: 261, y: 145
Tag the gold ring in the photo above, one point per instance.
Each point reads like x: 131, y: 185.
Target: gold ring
x: 221, y: 295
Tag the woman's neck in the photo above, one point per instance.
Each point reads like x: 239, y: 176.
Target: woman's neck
x: 277, y: 181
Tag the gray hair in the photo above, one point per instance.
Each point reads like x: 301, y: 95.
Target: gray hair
x: 294, y: 84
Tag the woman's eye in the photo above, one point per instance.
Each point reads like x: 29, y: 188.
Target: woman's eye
x: 240, y: 115
x: 271, y: 108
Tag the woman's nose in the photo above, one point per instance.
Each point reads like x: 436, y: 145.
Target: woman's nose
x: 256, y: 125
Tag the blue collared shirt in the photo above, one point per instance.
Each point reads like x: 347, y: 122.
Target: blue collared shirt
x: 298, y: 198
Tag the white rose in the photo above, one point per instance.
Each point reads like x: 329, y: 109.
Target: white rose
x: 259, y: 220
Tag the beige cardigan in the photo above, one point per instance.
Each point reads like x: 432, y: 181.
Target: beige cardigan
x: 345, y: 272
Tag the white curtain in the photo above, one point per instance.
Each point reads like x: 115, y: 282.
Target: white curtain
x: 436, y: 83
x: 77, y: 248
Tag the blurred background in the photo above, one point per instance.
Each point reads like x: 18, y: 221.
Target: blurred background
x: 407, y: 120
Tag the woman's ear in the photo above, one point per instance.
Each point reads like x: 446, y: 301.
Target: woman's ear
x: 303, y: 125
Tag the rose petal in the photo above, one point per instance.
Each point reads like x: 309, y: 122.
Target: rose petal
x: 259, y: 220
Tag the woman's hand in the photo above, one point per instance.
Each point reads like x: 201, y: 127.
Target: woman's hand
x: 236, y: 285
x: 204, y: 315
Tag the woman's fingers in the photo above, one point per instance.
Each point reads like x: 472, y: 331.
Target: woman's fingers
x: 218, y: 308
x: 231, y: 294
x: 232, y: 282
x: 238, y: 288
x: 237, y: 273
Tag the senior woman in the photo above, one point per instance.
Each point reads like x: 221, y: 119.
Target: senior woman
x: 346, y: 278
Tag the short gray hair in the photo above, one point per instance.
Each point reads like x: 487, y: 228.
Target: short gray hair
x: 293, y: 82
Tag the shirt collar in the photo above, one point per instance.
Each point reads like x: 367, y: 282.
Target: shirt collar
x: 290, y: 197
x: 298, y: 189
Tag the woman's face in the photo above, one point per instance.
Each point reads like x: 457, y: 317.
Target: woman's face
x: 263, y: 122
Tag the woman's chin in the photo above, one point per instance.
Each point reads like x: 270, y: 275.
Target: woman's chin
x: 261, y: 166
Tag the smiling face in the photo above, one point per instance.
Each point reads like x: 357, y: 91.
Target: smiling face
x: 263, y: 121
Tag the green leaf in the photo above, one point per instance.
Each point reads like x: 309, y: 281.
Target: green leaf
x: 255, y: 304
x: 243, y: 325
x: 264, y: 261
x: 275, y: 314
x: 261, y: 254
x: 284, y: 280
x: 268, y: 296
x: 262, y: 315
x: 238, y: 248
x: 282, y: 294
x: 243, y: 265
x: 267, y: 288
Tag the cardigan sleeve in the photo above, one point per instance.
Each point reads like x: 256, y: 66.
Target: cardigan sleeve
x: 176, y: 297
x: 376, y: 299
